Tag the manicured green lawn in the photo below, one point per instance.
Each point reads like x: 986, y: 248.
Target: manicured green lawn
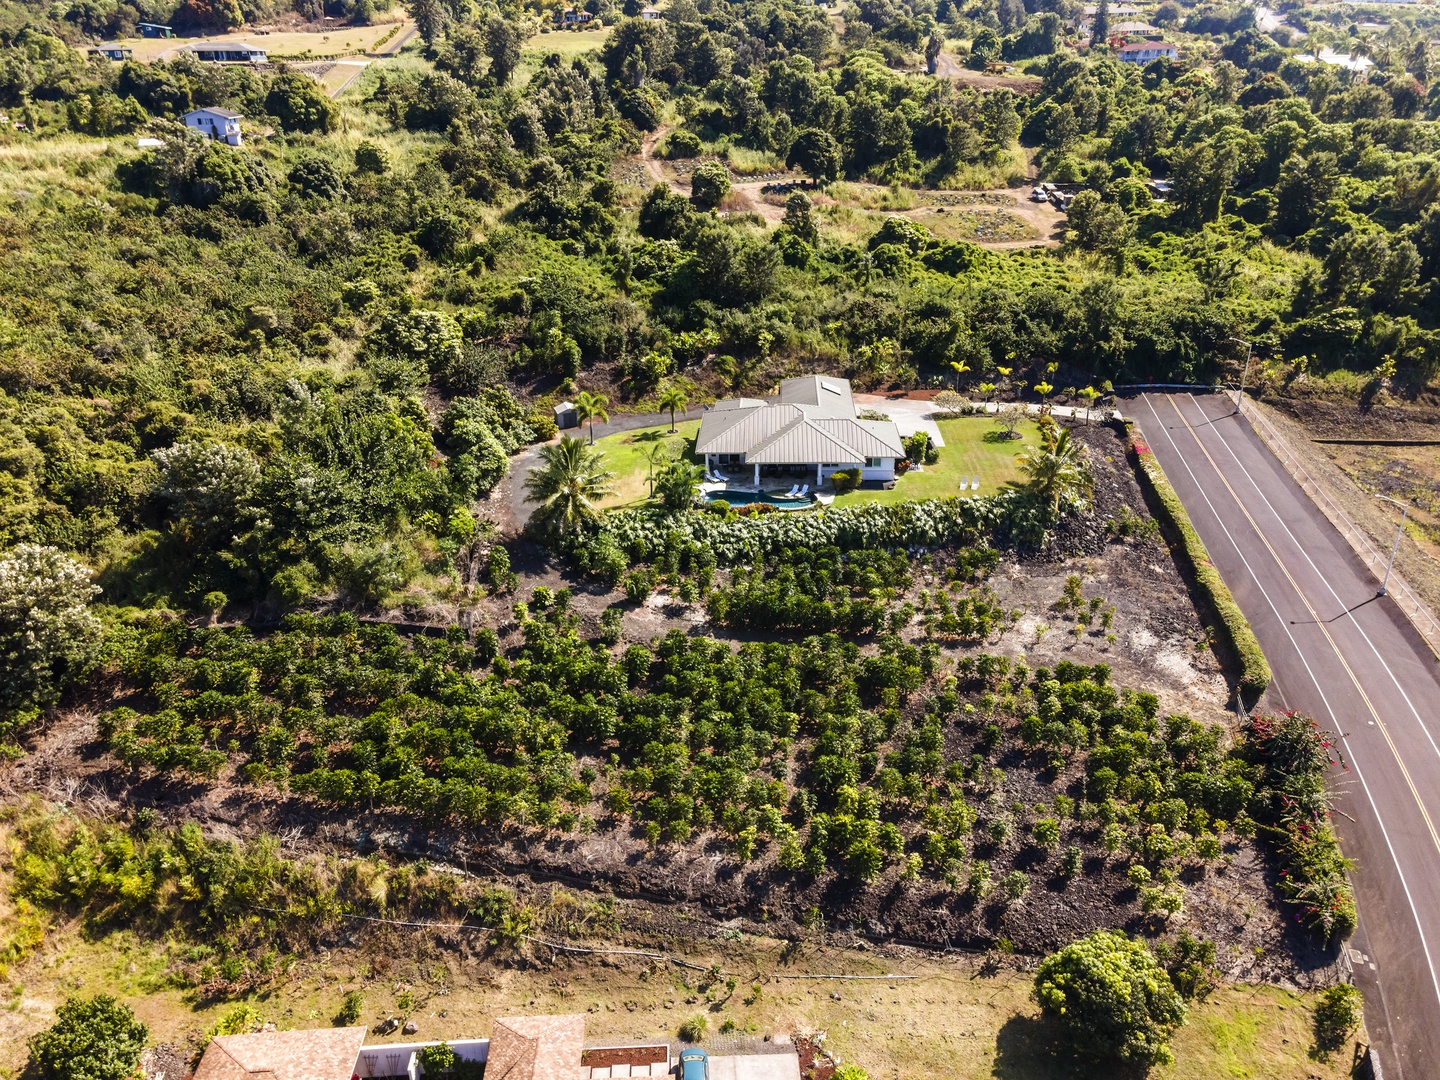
x: 625, y: 457
x: 973, y: 447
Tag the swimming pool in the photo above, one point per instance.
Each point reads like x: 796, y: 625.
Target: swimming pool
x: 745, y: 498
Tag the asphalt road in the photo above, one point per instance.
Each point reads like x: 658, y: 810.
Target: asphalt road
x: 1349, y: 658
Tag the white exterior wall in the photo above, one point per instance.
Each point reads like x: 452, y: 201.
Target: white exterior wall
x: 885, y: 470
x: 376, y: 1059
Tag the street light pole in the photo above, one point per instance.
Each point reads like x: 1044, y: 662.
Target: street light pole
x: 1400, y: 528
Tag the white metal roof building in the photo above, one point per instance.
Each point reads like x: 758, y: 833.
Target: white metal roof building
x: 809, y: 426
x: 216, y: 123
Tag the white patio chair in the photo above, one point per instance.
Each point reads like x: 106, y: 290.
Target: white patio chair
x: 975, y: 484
x: 804, y: 490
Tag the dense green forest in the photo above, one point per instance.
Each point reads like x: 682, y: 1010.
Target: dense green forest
x: 290, y: 369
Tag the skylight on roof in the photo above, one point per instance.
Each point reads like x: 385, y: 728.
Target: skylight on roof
x: 832, y: 389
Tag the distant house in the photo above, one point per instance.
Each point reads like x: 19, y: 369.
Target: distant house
x: 111, y: 51
x: 216, y: 123
x: 237, y: 52
x: 150, y: 29
x: 1142, y: 52
x: 650, y: 13
x: 810, y: 430
x: 572, y: 17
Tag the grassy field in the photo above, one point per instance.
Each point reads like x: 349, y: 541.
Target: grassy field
x: 568, y: 43
x: 972, y: 448
x: 625, y: 456
x: 341, y: 39
x: 951, y: 1017
x: 987, y: 224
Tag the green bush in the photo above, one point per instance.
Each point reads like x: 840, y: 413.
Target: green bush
x: 351, y: 1008
x: 1293, y: 755
x: 693, y: 1028
x: 99, y: 1039
x: 1337, y: 1016
x: 1254, y: 668
x: 845, y: 480
x: 1111, y: 999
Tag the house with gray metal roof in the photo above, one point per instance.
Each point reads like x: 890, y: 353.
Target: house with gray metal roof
x: 809, y: 429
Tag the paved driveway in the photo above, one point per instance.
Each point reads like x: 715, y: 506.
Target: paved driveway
x: 909, y: 414
x: 1348, y: 657
x: 755, y: 1067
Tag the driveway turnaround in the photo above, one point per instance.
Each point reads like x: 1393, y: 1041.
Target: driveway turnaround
x: 1348, y: 657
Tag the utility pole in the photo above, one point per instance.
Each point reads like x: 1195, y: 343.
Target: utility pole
x: 1400, y: 528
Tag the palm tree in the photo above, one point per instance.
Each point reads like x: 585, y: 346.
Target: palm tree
x: 960, y: 368
x: 1044, y: 389
x: 591, y: 407
x: 657, y: 456
x: 1055, y: 470
x: 674, y: 397
x: 570, y: 480
x: 1089, y: 394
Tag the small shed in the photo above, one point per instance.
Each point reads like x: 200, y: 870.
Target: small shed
x: 566, y: 416
x: 111, y: 51
x: 150, y: 29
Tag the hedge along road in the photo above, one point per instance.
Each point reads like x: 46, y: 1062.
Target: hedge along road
x: 1350, y: 659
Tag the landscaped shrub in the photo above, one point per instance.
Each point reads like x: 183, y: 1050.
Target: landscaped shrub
x: 99, y: 1039
x: 845, y: 480
x: 1337, y: 1016
x: 1111, y: 999
x: 1010, y: 516
x: 1254, y: 668
x: 1292, y: 799
x: 693, y: 1028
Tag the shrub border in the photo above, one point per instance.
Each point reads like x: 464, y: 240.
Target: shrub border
x: 1245, y: 647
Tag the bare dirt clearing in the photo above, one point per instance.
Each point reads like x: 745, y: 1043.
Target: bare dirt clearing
x: 997, y: 218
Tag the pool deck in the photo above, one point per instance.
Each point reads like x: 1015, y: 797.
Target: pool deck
x: 821, y: 498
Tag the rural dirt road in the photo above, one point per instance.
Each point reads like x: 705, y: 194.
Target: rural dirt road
x: 1350, y: 659
x: 948, y: 67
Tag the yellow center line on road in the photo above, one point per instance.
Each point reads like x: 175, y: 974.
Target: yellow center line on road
x: 1315, y: 615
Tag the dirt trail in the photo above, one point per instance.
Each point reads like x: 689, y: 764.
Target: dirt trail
x: 947, y: 66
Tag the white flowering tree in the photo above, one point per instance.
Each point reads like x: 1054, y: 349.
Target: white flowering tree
x: 48, y: 636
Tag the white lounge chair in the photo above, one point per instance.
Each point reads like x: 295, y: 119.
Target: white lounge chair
x: 723, y: 479
x: 964, y: 483
x: 802, y: 491
x: 791, y: 493
x: 975, y: 484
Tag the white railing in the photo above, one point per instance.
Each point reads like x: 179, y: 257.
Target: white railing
x: 1413, y: 608
x: 403, y: 1059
